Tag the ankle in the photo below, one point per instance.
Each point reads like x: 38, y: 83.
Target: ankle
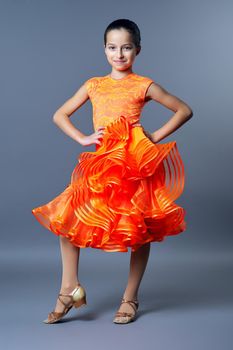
x: 67, y: 288
x: 130, y: 296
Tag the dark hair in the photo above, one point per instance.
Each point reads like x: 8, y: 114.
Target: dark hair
x: 128, y: 25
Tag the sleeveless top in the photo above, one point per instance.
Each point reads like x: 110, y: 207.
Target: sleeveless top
x: 122, y: 194
x: 111, y: 97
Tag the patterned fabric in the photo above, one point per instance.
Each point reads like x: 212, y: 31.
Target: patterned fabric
x: 110, y: 97
x: 122, y: 194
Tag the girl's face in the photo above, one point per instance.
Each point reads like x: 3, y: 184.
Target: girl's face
x: 120, y: 50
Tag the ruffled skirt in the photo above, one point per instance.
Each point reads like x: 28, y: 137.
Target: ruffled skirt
x: 121, y: 195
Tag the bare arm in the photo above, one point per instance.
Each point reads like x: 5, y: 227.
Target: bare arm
x: 182, y: 111
x: 62, y: 118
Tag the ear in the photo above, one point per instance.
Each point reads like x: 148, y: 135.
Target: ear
x: 138, y: 50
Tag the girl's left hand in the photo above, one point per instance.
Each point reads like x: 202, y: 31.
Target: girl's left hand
x: 148, y: 135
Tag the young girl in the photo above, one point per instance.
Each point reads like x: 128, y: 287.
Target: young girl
x: 121, y: 195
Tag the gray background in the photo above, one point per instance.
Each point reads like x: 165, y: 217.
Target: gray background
x: 48, y: 49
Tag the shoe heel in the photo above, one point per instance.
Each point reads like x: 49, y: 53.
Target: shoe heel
x: 80, y: 302
x: 79, y: 297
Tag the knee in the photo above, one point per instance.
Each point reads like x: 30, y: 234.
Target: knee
x: 63, y: 239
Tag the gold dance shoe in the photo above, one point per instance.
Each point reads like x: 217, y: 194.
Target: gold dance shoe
x: 78, y: 299
x: 126, y: 317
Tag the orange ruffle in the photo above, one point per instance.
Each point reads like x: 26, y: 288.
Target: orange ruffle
x: 121, y: 195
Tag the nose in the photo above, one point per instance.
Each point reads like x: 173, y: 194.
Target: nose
x: 119, y: 53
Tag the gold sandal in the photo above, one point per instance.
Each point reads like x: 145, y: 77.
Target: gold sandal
x: 78, y: 299
x: 126, y: 317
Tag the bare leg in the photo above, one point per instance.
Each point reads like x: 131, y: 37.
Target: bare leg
x: 70, y: 259
x: 138, y: 262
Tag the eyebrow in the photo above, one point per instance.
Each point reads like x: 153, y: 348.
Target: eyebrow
x: 122, y: 45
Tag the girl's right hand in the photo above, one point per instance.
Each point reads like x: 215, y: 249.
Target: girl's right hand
x: 93, y: 138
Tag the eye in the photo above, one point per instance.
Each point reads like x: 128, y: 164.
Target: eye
x: 126, y: 47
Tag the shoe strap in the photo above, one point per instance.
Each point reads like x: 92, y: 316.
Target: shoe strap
x: 62, y: 301
x: 134, y: 303
x: 68, y: 295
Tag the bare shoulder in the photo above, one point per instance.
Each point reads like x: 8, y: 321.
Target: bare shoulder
x: 159, y: 94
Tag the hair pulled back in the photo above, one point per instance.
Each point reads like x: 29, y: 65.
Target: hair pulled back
x: 128, y: 25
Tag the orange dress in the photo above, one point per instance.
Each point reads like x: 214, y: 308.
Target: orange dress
x: 122, y: 194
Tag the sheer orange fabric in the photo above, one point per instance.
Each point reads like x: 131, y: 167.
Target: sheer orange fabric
x: 121, y: 195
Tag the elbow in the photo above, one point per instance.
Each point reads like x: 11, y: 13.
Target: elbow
x: 188, y: 112
x: 56, y: 116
